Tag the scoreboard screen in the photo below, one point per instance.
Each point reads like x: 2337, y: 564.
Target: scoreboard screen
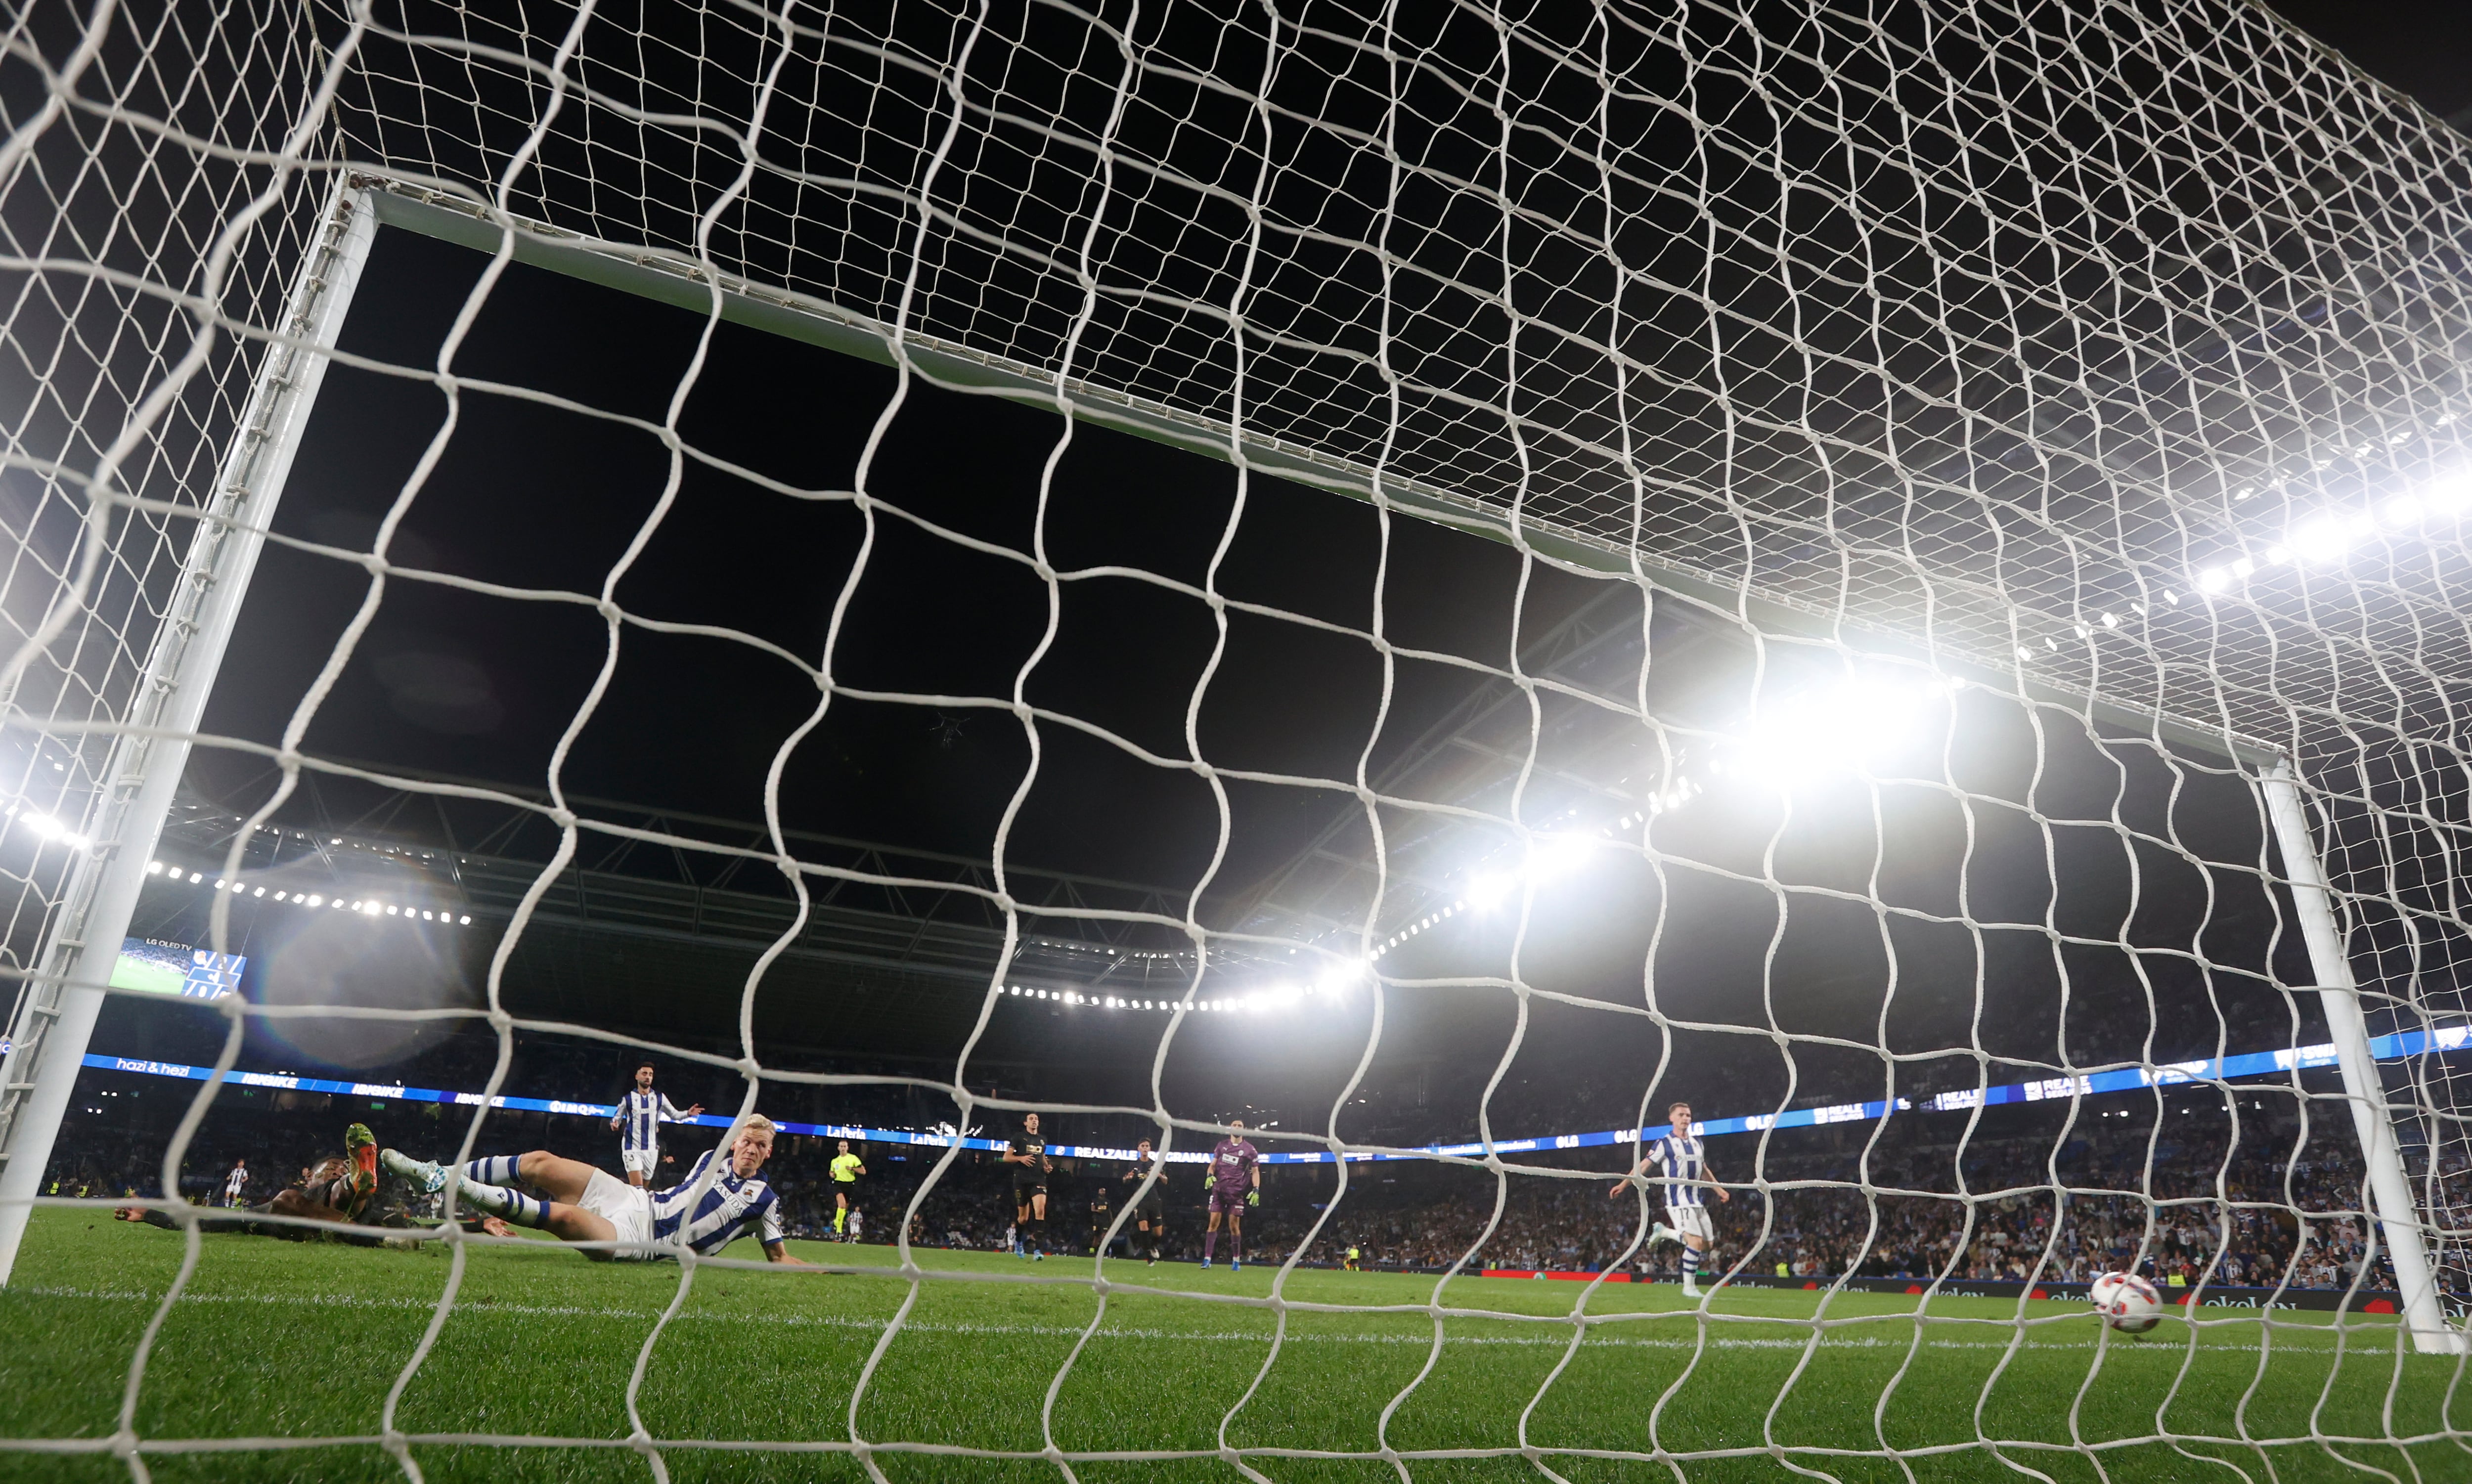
x: 157, y: 966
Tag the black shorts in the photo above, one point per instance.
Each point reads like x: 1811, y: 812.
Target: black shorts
x: 1024, y: 1189
x: 1153, y: 1210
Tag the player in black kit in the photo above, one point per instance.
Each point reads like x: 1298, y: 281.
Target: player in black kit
x: 1100, y: 1211
x: 1149, y: 1211
x: 1027, y: 1154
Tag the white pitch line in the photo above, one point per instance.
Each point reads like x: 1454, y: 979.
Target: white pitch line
x: 1063, y: 1332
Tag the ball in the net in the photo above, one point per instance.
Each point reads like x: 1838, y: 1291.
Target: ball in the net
x: 2127, y: 1302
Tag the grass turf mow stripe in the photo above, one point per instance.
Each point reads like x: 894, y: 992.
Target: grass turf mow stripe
x: 276, y: 1362
x: 1115, y: 1331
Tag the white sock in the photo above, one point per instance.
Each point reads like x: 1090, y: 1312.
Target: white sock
x: 499, y: 1201
x: 496, y: 1169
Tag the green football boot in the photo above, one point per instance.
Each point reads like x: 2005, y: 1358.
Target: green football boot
x: 360, y: 1151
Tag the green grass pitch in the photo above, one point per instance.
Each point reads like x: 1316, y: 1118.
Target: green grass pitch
x: 285, y: 1340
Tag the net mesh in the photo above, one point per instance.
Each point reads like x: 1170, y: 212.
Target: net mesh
x: 2085, y: 375
x: 149, y: 212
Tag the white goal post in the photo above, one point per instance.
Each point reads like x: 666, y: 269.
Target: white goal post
x: 2399, y: 1209
x: 56, y: 1005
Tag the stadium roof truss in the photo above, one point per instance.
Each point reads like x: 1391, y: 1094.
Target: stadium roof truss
x: 869, y: 904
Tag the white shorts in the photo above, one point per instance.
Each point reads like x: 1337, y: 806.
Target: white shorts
x: 623, y: 1207
x: 637, y: 1162
x: 1691, y: 1221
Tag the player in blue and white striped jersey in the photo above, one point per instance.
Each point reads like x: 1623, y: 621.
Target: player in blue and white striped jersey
x: 638, y: 1121
x: 720, y: 1200
x: 1683, y: 1159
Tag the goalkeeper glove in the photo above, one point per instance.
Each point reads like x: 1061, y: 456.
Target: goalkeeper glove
x: 1253, y: 1197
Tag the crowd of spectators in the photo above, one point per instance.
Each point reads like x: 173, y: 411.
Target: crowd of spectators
x: 2288, y: 1224
x: 2284, y: 1214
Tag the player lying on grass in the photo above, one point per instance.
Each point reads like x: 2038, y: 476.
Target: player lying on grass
x: 334, y: 1192
x: 720, y: 1200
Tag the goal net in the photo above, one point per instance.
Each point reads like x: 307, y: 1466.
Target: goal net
x: 1454, y: 585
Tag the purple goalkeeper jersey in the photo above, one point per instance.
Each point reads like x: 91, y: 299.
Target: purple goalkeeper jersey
x: 1231, y: 1165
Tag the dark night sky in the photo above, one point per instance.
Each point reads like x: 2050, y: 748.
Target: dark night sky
x: 2424, y: 48
x: 452, y: 682
x: 455, y: 683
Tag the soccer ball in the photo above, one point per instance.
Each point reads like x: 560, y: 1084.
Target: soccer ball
x: 2127, y: 1302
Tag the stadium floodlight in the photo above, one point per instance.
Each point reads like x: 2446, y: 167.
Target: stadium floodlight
x: 1810, y: 736
x: 1338, y: 977
x: 1674, y: 796
x: 1551, y: 858
x: 2321, y: 539
x: 47, y: 828
x: 1485, y: 889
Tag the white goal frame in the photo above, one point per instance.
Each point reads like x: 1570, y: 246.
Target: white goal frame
x: 54, y: 1014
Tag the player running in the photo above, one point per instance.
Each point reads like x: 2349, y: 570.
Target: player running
x: 638, y: 1121
x: 1150, y: 1211
x: 236, y: 1182
x: 1027, y: 1154
x: 845, y: 1172
x: 1235, y: 1183
x: 1684, y: 1159
x: 578, y: 1203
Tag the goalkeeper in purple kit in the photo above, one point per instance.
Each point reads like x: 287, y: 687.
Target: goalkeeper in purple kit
x: 1235, y: 1183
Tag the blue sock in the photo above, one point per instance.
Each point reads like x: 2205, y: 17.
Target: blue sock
x: 1689, y: 1266
x: 496, y: 1169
